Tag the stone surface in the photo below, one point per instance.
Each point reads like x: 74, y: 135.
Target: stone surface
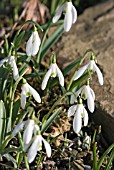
x: 95, y: 29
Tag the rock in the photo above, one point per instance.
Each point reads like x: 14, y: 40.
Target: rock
x: 95, y: 29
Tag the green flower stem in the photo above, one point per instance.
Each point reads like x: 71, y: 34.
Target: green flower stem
x: 52, y: 24
x: 21, y: 143
x: 95, y: 156
x: 9, y: 125
x: 26, y: 22
x: 81, y: 61
x: 42, y: 43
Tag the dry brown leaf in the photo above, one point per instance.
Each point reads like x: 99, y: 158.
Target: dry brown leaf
x: 31, y: 9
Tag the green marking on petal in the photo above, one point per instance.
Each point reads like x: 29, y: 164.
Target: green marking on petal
x: 27, y: 94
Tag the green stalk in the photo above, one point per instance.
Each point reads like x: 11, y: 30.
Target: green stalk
x: 21, y: 143
x: 95, y: 156
x: 81, y: 61
x: 42, y: 43
x: 9, y: 125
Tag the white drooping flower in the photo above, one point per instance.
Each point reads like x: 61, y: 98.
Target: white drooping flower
x: 29, y: 127
x: 14, y: 67
x: 91, y: 65
x: 79, y: 112
x: 37, y: 146
x: 26, y: 91
x: 53, y: 72
x: 11, y: 61
x: 86, y: 93
x: 70, y: 15
x: 33, y: 44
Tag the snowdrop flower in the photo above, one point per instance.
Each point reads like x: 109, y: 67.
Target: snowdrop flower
x: 53, y: 72
x: 11, y: 61
x: 14, y: 67
x: 91, y: 65
x: 86, y: 93
x: 3, y: 61
x: 29, y: 127
x: 26, y: 91
x: 33, y: 44
x: 70, y: 15
x: 37, y: 146
x: 79, y: 112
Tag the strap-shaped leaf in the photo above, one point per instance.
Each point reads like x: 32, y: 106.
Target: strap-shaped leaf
x: 51, y: 40
x: 2, y: 121
x: 50, y: 120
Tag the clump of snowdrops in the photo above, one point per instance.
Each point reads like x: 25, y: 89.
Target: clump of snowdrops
x: 18, y: 115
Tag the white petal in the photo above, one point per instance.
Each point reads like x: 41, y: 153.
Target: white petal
x: 23, y: 99
x: 46, y: 78
x: 91, y: 65
x: 60, y: 75
x: 85, y: 117
x: 54, y: 70
x: 36, y: 129
x: 99, y: 74
x: 77, y: 121
x: 71, y: 110
x: 90, y: 102
x: 35, y: 43
x: 3, y: 61
x: 29, y: 46
x: 35, y: 94
x: 68, y: 17
x: 79, y: 91
x: 74, y: 14
x: 80, y: 72
x: 18, y: 127
x: 14, y: 67
x: 47, y: 147
x: 85, y: 92
x: 33, y: 150
x: 25, y: 88
x: 58, y: 14
x: 27, y: 135
x: 39, y: 147
x: 92, y: 93
x: 26, y: 146
x: 72, y: 99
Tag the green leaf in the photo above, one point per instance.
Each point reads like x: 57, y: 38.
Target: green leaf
x: 10, y: 158
x: 77, y: 82
x: 68, y: 68
x: 19, y: 39
x: 104, y: 156
x: 95, y: 156
x: 2, y: 121
x: 16, y: 107
x: 110, y: 160
x: 50, y: 120
x: 51, y: 40
x: 3, y: 72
